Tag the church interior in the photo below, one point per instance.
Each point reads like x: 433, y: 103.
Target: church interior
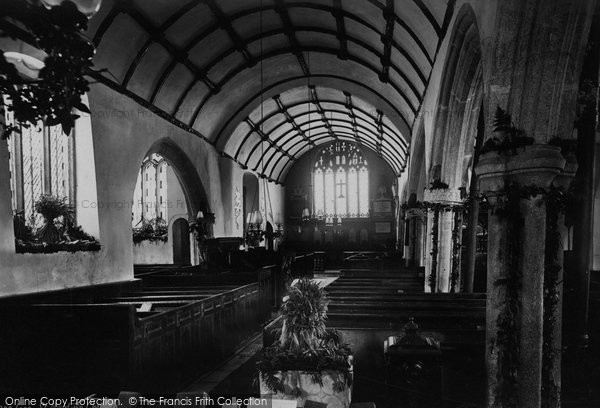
x: 317, y: 203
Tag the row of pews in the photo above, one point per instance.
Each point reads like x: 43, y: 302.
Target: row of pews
x: 371, y: 300
x: 152, y: 335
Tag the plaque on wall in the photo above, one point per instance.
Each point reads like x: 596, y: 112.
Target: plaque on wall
x: 382, y: 206
x: 383, y: 227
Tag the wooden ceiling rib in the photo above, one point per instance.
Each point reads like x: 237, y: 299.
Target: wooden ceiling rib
x: 286, y: 132
x: 379, y: 37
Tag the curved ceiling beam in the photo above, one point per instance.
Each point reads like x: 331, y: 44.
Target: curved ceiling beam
x: 321, y: 7
x: 224, y: 22
x: 358, y: 125
x: 318, y: 49
x: 359, y: 137
x: 362, y: 134
x: 291, y: 119
x: 290, y: 135
x: 206, y: 68
x: 255, y: 99
x: 388, y: 156
x: 360, y: 128
x: 392, y: 135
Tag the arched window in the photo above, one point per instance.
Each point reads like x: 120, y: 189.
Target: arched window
x: 41, y: 162
x: 150, y: 196
x: 341, y: 182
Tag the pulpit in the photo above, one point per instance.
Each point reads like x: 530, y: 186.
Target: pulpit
x: 413, y: 363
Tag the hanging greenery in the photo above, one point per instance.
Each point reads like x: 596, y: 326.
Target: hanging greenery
x: 508, y: 331
x: 305, y: 344
x: 556, y: 202
x: 438, y: 184
x: 434, y: 248
x: 508, y: 137
x: 59, y: 32
x: 456, y: 249
x: 507, y: 327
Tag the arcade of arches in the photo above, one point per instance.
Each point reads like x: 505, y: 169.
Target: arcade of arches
x: 426, y: 160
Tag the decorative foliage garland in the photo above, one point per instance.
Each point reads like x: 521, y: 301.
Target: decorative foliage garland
x: 434, y: 248
x: 508, y: 331
x: 456, y: 248
x: 556, y: 201
x: 59, y: 32
x: 153, y: 231
x: 438, y: 184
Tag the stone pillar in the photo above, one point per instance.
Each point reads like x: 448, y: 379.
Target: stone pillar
x: 414, y: 224
x: 445, y: 249
x: 516, y: 186
x: 428, y: 247
x: 409, y: 255
x: 471, y: 245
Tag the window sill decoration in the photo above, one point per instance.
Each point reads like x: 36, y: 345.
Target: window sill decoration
x: 58, y: 234
x: 153, y: 231
x: 60, y: 83
x: 28, y: 247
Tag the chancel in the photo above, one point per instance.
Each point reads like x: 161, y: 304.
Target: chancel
x: 357, y: 203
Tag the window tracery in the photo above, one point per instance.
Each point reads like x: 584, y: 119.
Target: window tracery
x: 341, y: 182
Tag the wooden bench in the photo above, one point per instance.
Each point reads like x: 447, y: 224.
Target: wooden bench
x: 152, y: 339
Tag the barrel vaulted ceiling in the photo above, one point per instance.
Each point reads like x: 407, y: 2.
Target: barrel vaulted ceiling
x: 322, y: 70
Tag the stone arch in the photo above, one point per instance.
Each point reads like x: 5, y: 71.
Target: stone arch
x: 459, y: 101
x: 193, y: 189
x: 417, y: 181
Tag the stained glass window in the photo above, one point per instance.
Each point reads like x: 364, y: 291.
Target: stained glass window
x: 341, y: 182
x: 41, y: 162
x: 319, y: 193
x: 150, y: 195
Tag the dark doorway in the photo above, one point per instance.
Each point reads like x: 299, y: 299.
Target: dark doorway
x: 269, y: 237
x: 181, y: 242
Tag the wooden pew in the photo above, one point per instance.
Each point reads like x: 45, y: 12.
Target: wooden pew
x: 152, y: 339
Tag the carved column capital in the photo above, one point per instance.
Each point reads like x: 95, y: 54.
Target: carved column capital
x: 535, y: 166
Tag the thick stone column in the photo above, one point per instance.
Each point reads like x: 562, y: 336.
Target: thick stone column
x: 414, y: 221
x: 471, y: 245
x: 516, y: 187
x: 430, y: 264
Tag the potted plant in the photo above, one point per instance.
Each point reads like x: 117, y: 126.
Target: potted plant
x: 308, y: 362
